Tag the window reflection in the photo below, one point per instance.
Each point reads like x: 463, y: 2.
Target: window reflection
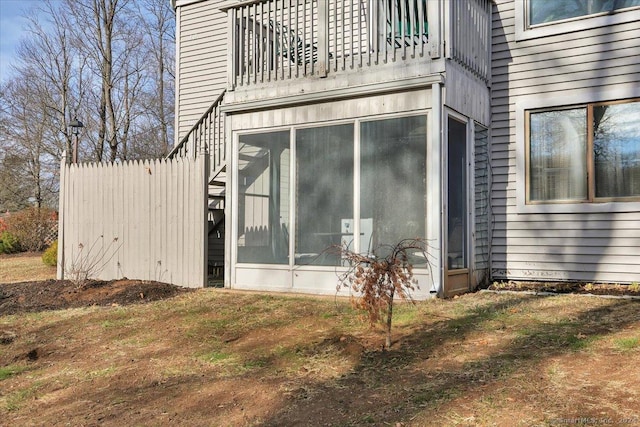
x: 616, y: 148
x: 544, y: 11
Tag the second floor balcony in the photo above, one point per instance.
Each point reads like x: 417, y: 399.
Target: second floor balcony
x: 285, y: 41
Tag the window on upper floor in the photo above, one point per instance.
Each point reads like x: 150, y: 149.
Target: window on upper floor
x: 587, y: 153
x: 542, y: 18
x: 547, y: 11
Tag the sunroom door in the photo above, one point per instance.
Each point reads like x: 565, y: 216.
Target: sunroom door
x: 457, y: 208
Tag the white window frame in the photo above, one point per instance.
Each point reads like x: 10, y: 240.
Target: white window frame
x: 579, y: 23
x: 533, y: 102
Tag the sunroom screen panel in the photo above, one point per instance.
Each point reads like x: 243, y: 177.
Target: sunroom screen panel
x: 324, y: 192
x: 393, y: 156
x: 263, y: 198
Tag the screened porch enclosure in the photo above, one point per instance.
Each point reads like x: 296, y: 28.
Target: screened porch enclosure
x: 360, y: 184
x: 393, y: 183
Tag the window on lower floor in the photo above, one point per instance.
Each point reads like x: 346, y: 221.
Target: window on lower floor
x: 547, y: 11
x: 589, y: 153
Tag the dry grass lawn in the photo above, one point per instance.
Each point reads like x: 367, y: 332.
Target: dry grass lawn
x: 224, y: 358
x: 24, y: 267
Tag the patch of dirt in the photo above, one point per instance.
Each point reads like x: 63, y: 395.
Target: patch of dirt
x: 60, y: 294
x: 568, y: 288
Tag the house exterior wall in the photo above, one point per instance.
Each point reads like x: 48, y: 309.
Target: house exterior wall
x: 201, y: 65
x: 481, y: 230
x: 368, y: 88
x: 589, y: 60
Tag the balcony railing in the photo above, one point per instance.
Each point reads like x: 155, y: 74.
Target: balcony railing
x: 469, y: 35
x: 276, y: 40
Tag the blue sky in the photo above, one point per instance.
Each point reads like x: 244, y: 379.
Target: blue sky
x: 11, y: 31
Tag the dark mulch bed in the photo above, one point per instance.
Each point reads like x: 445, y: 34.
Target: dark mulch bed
x: 568, y: 288
x: 61, y: 294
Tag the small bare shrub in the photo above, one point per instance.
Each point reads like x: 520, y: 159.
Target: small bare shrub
x: 376, y: 280
x: 87, y: 263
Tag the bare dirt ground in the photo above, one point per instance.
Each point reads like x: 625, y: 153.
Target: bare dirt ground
x: 53, y: 294
x: 147, y: 353
x: 62, y: 294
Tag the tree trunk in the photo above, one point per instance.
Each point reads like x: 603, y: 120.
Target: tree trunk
x: 389, y: 317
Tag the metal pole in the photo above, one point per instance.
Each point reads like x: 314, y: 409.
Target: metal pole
x: 75, y: 149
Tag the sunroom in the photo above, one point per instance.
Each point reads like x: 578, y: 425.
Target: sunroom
x: 359, y: 134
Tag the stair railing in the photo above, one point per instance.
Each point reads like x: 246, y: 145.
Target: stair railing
x: 206, y: 136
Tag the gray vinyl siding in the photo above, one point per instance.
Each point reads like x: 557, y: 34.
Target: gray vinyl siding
x: 481, y: 203
x: 552, y: 246
x: 202, y: 66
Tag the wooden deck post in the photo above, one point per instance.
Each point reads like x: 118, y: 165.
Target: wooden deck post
x: 323, y: 37
x: 435, y: 18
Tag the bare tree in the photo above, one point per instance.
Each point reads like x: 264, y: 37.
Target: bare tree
x: 96, y: 29
x: 108, y: 63
x: 159, y: 24
x: 47, y: 56
x: 376, y: 278
x: 26, y: 142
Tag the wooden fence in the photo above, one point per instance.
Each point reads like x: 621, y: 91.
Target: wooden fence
x: 140, y: 220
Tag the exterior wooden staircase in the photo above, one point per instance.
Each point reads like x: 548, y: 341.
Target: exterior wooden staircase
x: 207, y: 138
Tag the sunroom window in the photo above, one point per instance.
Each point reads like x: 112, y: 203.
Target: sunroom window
x: 360, y: 184
x: 263, y: 198
x: 393, y: 155
x: 589, y: 153
x: 548, y: 11
x: 324, y: 192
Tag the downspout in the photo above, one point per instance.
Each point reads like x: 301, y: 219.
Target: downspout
x: 437, y: 137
